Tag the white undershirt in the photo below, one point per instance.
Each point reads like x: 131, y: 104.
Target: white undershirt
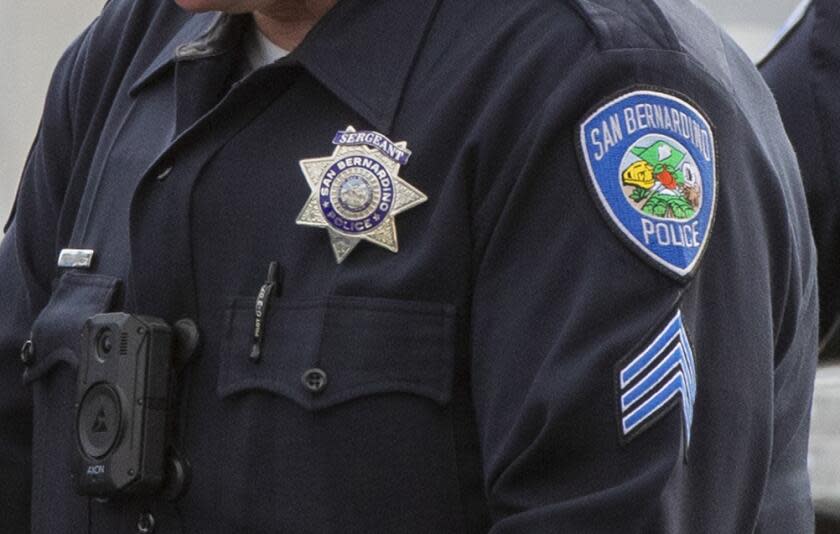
x: 260, y: 50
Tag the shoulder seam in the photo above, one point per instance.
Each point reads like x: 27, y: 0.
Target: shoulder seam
x: 666, y: 31
x: 608, y: 39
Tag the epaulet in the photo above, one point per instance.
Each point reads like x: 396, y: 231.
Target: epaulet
x: 620, y: 24
x: 791, y: 24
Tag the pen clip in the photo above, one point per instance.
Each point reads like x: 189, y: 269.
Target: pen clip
x: 261, y: 309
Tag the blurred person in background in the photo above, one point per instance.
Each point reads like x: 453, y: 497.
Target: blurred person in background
x: 803, y: 71
x: 599, y: 316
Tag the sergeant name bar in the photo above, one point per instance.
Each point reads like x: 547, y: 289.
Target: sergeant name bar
x: 374, y: 140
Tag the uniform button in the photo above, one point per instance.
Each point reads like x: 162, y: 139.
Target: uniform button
x: 146, y: 523
x: 315, y: 380
x: 27, y: 353
x: 164, y: 173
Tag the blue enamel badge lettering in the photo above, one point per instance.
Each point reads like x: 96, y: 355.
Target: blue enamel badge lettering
x: 650, y: 160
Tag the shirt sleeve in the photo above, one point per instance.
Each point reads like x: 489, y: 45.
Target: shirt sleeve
x: 557, y: 303
x: 28, y: 253
x: 562, y: 301
x: 787, y: 504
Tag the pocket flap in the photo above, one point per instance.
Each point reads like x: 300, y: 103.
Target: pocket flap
x: 364, y: 346
x: 57, y: 329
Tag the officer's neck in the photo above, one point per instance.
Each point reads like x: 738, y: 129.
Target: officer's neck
x: 286, y: 22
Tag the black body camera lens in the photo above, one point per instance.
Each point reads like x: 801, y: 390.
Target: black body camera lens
x: 104, y: 343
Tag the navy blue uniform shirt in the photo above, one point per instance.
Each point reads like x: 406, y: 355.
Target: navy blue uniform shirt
x: 803, y: 71
x: 598, y: 314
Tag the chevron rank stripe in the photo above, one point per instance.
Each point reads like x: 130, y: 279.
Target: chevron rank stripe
x: 653, y: 381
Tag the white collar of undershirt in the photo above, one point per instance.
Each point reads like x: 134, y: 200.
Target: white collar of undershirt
x: 260, y: 50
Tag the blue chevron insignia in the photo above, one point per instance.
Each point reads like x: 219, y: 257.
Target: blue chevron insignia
x: 661, y: 376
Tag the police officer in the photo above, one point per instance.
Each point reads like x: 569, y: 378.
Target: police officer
x: 458, y: 266
x: 801, y: 70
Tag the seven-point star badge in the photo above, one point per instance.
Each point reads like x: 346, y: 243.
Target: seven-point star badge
x: 356, y: 191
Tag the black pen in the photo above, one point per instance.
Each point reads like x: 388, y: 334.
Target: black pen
x: 267, y: 291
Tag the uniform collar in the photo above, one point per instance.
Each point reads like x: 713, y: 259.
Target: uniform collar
x: 197, y: 30
x: 361, y: 50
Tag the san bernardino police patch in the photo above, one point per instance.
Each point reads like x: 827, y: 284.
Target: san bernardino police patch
x: 651, y: 163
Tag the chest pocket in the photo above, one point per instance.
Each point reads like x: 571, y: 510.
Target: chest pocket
x: 349, y: 397
x: 319, y: 353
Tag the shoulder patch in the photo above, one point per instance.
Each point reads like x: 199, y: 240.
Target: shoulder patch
x: 650, y: 162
